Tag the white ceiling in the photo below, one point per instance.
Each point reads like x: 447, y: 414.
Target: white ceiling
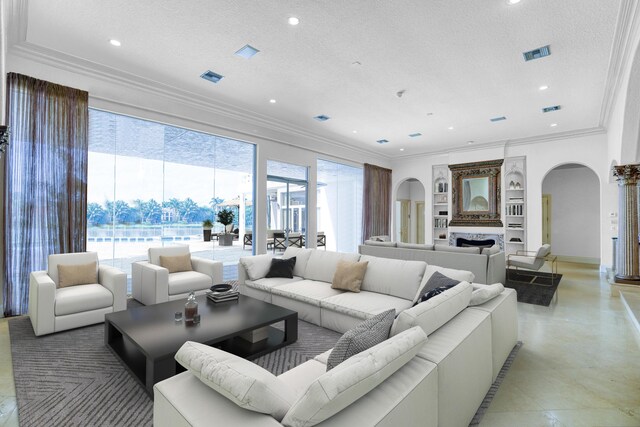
x: 460, y: 60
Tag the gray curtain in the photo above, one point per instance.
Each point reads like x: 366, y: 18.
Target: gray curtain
x: 45, y: 193
x: 376, y: 204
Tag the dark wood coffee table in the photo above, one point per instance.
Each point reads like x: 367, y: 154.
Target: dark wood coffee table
x: 146, y: 339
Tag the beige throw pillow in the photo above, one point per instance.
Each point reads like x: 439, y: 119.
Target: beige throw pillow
x: 177, y: 263
x: 349, y: 275
x: 80, y: 274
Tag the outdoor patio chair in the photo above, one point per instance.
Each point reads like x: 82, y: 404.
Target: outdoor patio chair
x: 279, y: 241
x: 321, y: 240
x: 248, y: 239
x: 152, y: 283
x: 74, y: 291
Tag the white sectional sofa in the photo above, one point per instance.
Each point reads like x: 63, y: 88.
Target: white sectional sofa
x: 487, y: 268
x: 443, y: 385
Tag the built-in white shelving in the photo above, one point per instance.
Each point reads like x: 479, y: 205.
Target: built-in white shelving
x: 515, y: 204
x: 440, y: 209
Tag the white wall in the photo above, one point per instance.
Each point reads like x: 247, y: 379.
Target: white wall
x: 623, y: 123
x: 575, y: 212
x: 541, y: 156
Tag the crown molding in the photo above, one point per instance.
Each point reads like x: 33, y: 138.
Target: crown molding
x: 621, y: 54
x: 83, y: 67
x: 506, y: 143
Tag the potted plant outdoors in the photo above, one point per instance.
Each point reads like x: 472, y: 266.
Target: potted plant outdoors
x: 225, y: 217
x: 207, y: 225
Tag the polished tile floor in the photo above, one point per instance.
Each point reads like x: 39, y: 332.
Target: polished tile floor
x: 579, y: 365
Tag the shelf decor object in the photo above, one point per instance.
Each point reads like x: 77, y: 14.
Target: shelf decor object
x: 515, y: 206
x: 440, y: 209
x: 475, y: 194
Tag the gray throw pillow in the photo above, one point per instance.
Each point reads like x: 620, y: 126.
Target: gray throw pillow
x: 436, y: 281
x: 361, y: 337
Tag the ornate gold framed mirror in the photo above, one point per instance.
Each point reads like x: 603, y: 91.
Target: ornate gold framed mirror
x: 475, y: 194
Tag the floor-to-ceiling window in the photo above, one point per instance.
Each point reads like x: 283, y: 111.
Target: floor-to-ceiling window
x: 152, y: 184
x: 340, y: 205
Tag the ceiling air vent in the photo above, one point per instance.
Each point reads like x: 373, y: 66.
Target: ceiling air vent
x: 541, y: 52
x: 498, y: 119
x: 382, y: 141
x: 322, y: 118
x: 415, y: 135
x: 550, y: 109
x: 211, y: 76
x: 247, y: 51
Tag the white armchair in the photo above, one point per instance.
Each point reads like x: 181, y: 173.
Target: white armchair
x: 53, y: 308
x: 153, y: 284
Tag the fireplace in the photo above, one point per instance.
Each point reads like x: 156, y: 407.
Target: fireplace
x: 476, y: 239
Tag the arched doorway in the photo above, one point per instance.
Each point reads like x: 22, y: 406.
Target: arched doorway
x: 410, y: 212
x: 571, y: 213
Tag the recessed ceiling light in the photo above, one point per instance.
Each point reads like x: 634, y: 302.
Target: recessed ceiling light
x: 470, y: 142
x: 554, y: 125
x: 355, y: 131
x: 293, y: 20
x: 273, y: 101
x: 402, y: 149
x: 115, y: 42
x: 513, y: 1
x: 543, y: 87
x: 450, y: 128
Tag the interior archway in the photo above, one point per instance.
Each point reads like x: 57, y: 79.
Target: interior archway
x: 571, y: 212
x: 409, y: 209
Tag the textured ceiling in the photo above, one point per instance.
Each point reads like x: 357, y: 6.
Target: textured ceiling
x: 459, y: 61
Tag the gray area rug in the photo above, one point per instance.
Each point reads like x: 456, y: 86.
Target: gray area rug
x: 71, y: 379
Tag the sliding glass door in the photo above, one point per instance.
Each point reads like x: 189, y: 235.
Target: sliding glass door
x: 286, y: 204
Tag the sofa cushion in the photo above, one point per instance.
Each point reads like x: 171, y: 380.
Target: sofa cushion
x: 244, y: 383
x: 349, y: 275
x: 420, y: 246
x: 302, y: 257
x: 76, y: 258
x: 437, y: 311
x: 378, y: 243
x: 266, y: 284
x: 364, y: 304
x: 362, y: 337
x: 395, y: 277
x: 154, y: 253
x: 80, y: 274
x: 256, y: 266
x: 352, y: 379
x: 281, y: 268
x: 308, y: 291
x: 187, y: 281
x: 176, y: 263
x: 491, y: 251
x: 300, y: 378
x: 322, y: 264
x: 484, y: 293
x: 460, y: 275
x: 467, y: 250
x: 436, y: 281
x: 77, y: 299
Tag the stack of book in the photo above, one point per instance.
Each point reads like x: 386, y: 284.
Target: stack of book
x: 230, y: 295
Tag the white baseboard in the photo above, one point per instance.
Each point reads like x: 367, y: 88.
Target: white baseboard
x: 579, y: 259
